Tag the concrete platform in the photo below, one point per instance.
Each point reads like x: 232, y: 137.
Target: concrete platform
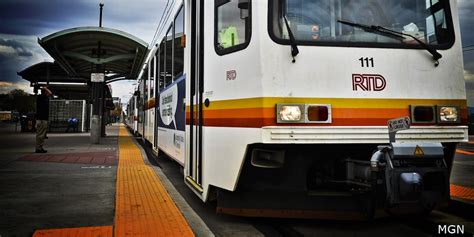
x: 80, y: 189
x: 62, y: 188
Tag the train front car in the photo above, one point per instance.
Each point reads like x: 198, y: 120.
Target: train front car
x: 297, y: 95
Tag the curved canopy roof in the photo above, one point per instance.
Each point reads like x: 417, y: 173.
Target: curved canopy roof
x: 81, y: 51
x: 62, y: 85
x: 46, y: 72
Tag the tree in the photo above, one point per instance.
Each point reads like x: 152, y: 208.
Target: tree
x: 19, y: 100
x: 18, y: 92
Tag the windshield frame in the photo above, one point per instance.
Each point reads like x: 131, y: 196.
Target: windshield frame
x: 448, y: 16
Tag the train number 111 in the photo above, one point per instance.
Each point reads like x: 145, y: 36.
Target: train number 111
x: 366, y: 62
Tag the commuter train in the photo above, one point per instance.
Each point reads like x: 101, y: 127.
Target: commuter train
x: 132, y: 114
x: 281, y: 108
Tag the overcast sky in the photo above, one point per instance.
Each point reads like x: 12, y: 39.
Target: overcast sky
x: 23, y: 21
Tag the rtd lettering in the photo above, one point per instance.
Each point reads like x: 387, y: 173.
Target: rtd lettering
x: 450, y: 229
x: 368, y: 82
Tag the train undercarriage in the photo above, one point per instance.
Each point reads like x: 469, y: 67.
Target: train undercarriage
x: 357, y: 181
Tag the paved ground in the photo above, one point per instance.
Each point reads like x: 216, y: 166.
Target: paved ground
x: 55, y: 194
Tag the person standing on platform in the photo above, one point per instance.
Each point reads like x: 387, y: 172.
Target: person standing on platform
x: 42, y: 117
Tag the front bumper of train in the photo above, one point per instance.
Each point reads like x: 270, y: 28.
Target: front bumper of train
x: 360, y: 134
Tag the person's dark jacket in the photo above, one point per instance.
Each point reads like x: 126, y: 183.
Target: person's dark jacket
x: 42, y: 107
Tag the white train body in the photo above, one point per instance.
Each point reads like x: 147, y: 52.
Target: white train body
x: 354, y: 87
x: 132, y: 114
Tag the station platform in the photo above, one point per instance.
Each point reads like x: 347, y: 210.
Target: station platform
x: 110, y: 189
x: 80, y: 189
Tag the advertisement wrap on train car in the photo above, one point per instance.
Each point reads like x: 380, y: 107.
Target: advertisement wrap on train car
x: 171, y: 119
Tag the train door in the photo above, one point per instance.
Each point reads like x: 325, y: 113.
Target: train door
x: 157, y: 89
x: 194, y: 170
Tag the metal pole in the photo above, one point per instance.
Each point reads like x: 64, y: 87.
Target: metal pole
x: 97, y: 99
x: 100, y: 18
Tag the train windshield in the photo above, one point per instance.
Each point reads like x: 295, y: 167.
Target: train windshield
x: 316, y: 22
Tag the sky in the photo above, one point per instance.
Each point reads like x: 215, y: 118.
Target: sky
x: 22, y: 22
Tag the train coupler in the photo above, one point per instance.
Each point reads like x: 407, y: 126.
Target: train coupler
x: 412, y: 173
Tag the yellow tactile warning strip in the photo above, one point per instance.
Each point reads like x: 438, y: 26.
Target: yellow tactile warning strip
x: 101, y: 231
x: 143, y: 207
x: 462, y: 192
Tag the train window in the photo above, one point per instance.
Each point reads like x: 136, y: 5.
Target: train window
x: 317, y: 22
x: 162, y: 49
x: 179, y: 43
x: 151, y: 74
x: 169, y: 57
x: 145, y: 84
x: 157, y: 71
x: 232, y: 28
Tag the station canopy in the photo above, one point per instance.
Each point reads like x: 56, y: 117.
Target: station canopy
x: 80, y: 51
x: 62, y: 85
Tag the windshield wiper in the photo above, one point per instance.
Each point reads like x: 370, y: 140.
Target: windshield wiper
x: 394, y: 34
x: 294, y: 46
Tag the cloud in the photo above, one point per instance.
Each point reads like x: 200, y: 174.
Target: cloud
x: 17, y: 53
x: 124, y: 90
x: 5, y: 84
x: 29, y: 17
x: 466, y: 21
x: 17, y: 47
x: 469, y: 78
x: 139, y: 18
x: 6, y: 87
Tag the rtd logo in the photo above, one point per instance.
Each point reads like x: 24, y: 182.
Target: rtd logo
x: 368, y: 82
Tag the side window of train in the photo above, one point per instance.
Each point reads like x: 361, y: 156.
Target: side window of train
x: 179, y: 44
x: 157, y: 71
x: 145, y: 84
x: 151, y: 74
x: 169, y: 57
x: 162, y: 65
x: 232, y: 27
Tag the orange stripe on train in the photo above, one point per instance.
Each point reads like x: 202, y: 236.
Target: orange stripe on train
x: 261, y: 117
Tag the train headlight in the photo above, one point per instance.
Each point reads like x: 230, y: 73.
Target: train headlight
x: 290, y: 113
x: 448, y: 114
x: 423, y: 113
x: 318, y: 113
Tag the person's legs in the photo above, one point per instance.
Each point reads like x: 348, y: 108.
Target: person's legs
x: 46, y: 130
x: 41, y: 126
